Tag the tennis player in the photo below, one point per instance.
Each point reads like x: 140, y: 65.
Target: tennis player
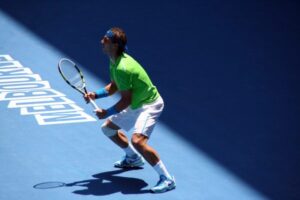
x: 139, y: 108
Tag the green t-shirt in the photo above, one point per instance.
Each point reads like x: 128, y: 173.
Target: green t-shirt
x: 128, y: 74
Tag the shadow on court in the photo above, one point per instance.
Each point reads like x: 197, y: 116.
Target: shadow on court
x: 228, y: 72
x: 108, y: 183
x: 105, y: 183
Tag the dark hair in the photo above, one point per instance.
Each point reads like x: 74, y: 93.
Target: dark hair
x: 120, y: 38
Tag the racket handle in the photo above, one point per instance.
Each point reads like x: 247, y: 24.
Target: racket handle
x: 94, y: 104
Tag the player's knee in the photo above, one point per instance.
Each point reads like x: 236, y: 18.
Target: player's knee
x: 109, y: 132
x: 137, y: 142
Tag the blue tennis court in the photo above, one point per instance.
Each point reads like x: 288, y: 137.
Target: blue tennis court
x: 228, y: 73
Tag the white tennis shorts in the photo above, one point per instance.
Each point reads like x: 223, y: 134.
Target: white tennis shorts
x: 142, y: 120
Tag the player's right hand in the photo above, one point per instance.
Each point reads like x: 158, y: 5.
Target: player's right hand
x: 88, y: 96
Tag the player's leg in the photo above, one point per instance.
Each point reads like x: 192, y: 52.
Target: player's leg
x: 143, y: 128
x: 139, y: 142
x: 166, y: 182
x: 113, y: 132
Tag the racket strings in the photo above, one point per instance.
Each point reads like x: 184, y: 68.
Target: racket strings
x: 77, y: 81
x: 71, y: 74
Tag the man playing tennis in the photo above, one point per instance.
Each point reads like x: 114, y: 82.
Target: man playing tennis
x: 139, y: 108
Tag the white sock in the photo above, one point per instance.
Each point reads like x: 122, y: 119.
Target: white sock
x: 130, y: 150
x: 161, y: 169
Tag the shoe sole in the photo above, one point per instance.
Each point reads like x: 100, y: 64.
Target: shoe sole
x: 162, y: 191
x: 129, y: 167
x: 136, y: 166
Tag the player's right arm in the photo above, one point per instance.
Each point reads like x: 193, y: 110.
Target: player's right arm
x: 109, y: 89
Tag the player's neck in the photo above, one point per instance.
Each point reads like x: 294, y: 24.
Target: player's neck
x: 114, y: 58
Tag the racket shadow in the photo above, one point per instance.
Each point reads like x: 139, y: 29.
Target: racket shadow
x: 104, y: 183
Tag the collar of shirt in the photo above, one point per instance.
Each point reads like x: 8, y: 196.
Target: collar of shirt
x: 116, y: 63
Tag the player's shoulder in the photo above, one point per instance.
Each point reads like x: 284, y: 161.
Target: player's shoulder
x: 128, y: 63
x: 126, y: 58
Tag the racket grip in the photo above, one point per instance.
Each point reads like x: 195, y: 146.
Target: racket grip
x: 94, y: 104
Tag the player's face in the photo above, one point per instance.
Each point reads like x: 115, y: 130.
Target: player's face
x: 107, y: 46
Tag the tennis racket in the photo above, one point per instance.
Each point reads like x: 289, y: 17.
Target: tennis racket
x: 74, y: 77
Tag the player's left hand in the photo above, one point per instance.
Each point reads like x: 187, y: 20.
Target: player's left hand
x: 101, y: 113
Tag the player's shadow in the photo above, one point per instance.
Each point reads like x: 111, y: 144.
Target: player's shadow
x: 107, y: 183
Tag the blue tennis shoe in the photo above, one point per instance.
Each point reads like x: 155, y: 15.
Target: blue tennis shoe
x: 164, y: 184
x: 130, y: 162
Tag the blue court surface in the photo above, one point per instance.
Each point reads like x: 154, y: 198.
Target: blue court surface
x: 228, y: 72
